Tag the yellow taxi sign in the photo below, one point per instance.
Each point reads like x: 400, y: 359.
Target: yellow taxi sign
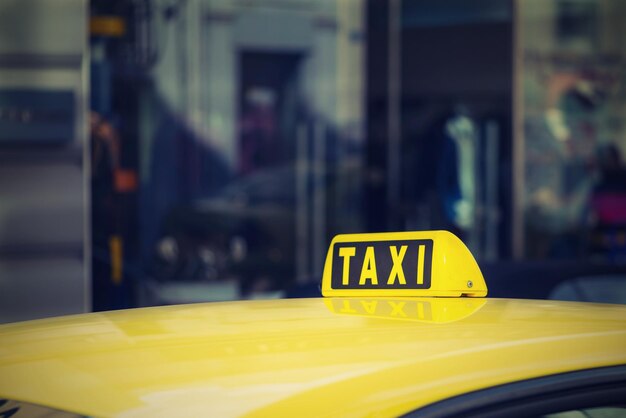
x: 398, y: 264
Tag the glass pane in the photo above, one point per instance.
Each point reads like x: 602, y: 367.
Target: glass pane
x: 575, y: 180
x: 456, y: 121
x: 9, y: 408
x: 247, y: 124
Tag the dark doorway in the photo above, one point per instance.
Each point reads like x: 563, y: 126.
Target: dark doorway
x: 455, y: 75
x: 268, y: 109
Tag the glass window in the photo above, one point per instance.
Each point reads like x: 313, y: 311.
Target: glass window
x: 573, y: 102
x: 604, y: 412
x: 598, y: 289
x: 14, y: 409
x: 231, y: 139
x: 244, y: 123
x: 586, y: 393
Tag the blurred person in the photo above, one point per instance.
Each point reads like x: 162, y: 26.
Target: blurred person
x: 105, y: 160
x: 612, y: 182
x: 608, y: 204
x: 559, y: 178
x: 456, y: 173
x: 259, y: 140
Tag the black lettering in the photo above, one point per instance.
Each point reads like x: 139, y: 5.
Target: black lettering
x: 398, y: 264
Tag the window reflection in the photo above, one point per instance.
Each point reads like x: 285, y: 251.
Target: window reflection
x: 248, y: 119
x: 235, y: 138
x: 573, y: 75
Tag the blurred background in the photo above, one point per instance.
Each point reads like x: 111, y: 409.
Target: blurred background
x: 171, y: 151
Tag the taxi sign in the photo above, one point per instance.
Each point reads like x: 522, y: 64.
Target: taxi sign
x: 427, y: 263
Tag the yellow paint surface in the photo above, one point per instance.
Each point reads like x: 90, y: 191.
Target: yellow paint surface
x: 299, y: 357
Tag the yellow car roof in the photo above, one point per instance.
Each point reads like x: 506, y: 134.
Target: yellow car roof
x: 306, y: 357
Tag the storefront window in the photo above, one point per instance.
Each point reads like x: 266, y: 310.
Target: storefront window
x: 232, y: 139
x: 456, y: 106
x: 247, y: 119
x: 573, y: 102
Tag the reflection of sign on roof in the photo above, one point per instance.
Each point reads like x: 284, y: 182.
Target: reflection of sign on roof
x: 431, y: 263
x: 438, y: 310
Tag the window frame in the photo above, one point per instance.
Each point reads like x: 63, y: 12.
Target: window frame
x: 543, y: 395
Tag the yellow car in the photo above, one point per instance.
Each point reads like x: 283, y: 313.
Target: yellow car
x: 404, y: 328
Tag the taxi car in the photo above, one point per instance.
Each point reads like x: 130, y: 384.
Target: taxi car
x: 404, y: 329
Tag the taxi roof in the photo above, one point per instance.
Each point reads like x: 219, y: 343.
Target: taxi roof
x: 275, y: 358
